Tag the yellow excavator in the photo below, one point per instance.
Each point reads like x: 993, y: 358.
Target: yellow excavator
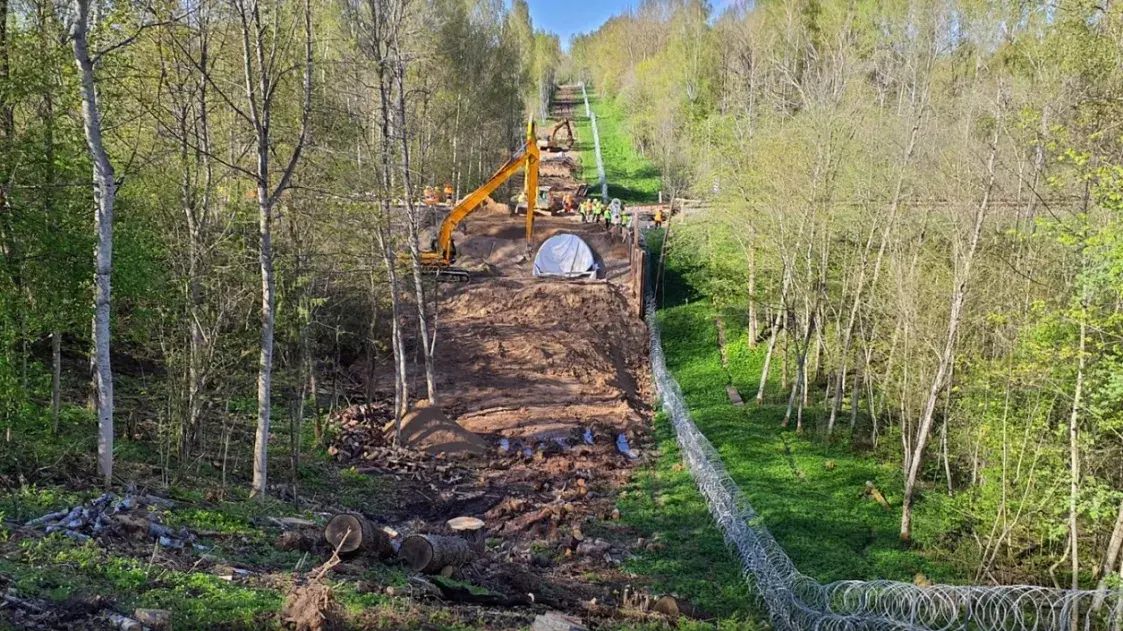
x: 439, y: 261
x: 552, y: 143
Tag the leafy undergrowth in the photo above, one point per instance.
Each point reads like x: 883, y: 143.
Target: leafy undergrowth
x: 631, y: 177
x: 811, y: 492
x: 199, y: 587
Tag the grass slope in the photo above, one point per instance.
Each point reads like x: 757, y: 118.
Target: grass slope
x: 690, y: 558
x: 817, y: 511
x: 631, y: 177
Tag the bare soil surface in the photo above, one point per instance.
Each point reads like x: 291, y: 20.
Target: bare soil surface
x: 527, y: 357
x: 536, y: 368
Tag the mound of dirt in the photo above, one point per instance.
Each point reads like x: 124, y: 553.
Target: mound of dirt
x: 428, y: 429
x: 490, y: 205
x: 493, y: 250
x: 543, y: 358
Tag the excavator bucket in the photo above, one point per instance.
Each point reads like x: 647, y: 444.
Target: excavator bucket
x: 560, y: 137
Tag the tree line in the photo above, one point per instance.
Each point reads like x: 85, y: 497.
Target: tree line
x: 916, y: 208
x: 247, y: 175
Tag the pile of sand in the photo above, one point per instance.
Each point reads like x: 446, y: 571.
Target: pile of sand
x: 427, y: 429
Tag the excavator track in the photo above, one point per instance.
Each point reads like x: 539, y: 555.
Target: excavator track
x: 448, y: 274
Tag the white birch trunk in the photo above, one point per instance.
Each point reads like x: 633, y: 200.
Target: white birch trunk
x: 105, y: 193
x: 947, y: 357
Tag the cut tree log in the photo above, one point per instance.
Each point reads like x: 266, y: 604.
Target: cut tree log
x: 155, y: 619
x: 875, y: 493
x: 124, y: 623
x: 352, y: 534
x: 431, y: 553
x: 673, y: 607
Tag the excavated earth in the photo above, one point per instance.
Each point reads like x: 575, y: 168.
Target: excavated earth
x: 539, y: 358
x: 548, y: 373
x: 532, y: 358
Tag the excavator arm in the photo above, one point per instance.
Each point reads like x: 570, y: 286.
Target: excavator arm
x: 563, y: 124
x: 527, y: 158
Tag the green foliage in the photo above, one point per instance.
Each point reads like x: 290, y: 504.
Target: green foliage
x: 631, y: 177
x: 55, y: 568
x: 840, y: 185
x: 819, y: 514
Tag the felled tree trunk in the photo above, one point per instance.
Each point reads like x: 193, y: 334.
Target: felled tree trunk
x: 352, y: 534
x: 431, y: 553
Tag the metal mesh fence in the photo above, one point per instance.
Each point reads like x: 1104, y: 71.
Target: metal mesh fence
x: 596, y: 145
x: 795, y: 601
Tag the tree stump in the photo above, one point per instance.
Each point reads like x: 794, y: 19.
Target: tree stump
x: 471, y: 530
x: 431, y: 553
x: 352, y: 534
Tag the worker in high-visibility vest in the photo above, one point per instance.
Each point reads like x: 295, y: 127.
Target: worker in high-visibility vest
x: 616, y: 217
x: 430, y: 196
x: 659, y: 217
x: 569, y: 204
x: 520, y: 203
x: 450, y: 194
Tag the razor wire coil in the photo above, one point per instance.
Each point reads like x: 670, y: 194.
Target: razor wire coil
x: 798, y: 602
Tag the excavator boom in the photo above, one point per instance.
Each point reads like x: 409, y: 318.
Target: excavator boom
x: 528, y: 158
x: 552, y: 142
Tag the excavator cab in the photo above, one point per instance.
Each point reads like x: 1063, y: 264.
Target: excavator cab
x: 543, y: 203
x: 438, y: 261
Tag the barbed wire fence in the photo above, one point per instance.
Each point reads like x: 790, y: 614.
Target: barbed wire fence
x: 798, y: 602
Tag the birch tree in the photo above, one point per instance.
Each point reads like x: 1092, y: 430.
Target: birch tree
x: 105, y: 194
x: 263, y: 73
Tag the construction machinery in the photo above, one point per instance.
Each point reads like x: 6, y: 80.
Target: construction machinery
x: 544, y: 204
x: 439, y: 261
x: 552, y: 142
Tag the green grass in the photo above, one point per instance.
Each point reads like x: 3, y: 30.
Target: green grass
x: 631, y: 177
x: 57, y: 569
x: 819, y: 513
x: 691, y: 559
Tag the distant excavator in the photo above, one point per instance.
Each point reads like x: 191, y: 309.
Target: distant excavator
x: 440, y: 259
x: 552, y: 143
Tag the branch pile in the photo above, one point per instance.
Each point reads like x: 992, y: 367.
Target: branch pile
x: 133, y: 516
x: 358, y: 430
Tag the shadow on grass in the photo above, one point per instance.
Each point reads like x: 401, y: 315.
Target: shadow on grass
x: 810, y: 492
